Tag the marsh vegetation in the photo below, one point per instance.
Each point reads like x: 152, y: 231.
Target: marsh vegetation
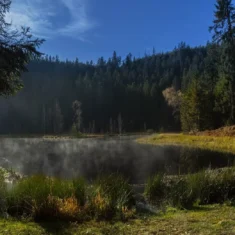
x: 87, y: 179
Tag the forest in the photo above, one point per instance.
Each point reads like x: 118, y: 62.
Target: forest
x: 188, y: 89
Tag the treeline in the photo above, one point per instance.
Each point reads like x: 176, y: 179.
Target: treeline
x: 118, y: 90
x: 187, y: 89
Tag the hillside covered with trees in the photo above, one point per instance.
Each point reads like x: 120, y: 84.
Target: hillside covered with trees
x: 185, y: 89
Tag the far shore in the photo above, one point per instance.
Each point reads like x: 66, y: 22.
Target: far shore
x: 214, y: 143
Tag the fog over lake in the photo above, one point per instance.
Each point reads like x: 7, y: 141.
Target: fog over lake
x: 90, y: 157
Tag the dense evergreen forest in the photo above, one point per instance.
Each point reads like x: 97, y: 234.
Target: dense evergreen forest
x: 131, y: 88
x: 186, y: 89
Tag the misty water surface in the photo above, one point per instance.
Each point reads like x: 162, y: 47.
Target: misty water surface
x: 90, y: 157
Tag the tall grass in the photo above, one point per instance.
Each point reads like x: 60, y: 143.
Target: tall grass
x: 155, y: 188
x: 111, y: 196
x: 218, y: 187
x: 43, y: 197
x: 3, y: 190
x: 207, y: 187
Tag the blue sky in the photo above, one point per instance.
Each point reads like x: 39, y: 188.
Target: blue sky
x: 88, y: 29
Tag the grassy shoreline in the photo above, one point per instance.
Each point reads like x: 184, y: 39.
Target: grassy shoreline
x: 55, y: 206
x: 221, y: 144
x: 109, y: 205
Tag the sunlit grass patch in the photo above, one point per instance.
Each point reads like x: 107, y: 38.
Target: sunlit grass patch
x: 222, y: 144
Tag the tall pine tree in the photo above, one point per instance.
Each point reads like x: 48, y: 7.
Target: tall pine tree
x: 224, y: 34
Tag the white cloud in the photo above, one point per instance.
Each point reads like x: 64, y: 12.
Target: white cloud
x: 39, y: 16
x: 80, y: 22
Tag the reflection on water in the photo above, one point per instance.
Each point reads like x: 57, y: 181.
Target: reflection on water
x: 90, y: 157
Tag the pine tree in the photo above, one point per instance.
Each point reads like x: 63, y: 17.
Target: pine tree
x: 120, y: 123
x: 193, y: 111
x: 146, y: 88
x: 43, y: 119
x: 58, y: 119
x: 222, y: 101
x: 224, y: 34
x: 111, y: 126
x: 93, y: 126
x: 77, y: 110
x: 153, y: 91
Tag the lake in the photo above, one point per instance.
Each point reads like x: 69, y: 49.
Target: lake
x: 90, y: 157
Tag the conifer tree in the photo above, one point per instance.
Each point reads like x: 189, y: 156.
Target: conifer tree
x: 43, y: 119
x: 224, y: 34
x: 77, y: 109
x: 17, y: 48
x: 120, y: 123
x: 193, y: 112
x: 111, y: 126
x: 58, y: 119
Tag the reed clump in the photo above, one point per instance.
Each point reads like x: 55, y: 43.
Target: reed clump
x: 46, y: 198
x: 206, y: 187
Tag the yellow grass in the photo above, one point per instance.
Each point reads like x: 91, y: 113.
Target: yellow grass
x: 221, y: 144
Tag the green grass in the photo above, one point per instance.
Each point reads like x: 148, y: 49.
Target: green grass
x: 111, y: 196
x: 43, y: 205
x: 222, y: 144
x: 207, y: 187
x: 45, y: 198
x: 105, y: 206
x: 205, y: 220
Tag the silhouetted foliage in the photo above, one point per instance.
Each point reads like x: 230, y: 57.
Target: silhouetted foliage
x: 17, y: 47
